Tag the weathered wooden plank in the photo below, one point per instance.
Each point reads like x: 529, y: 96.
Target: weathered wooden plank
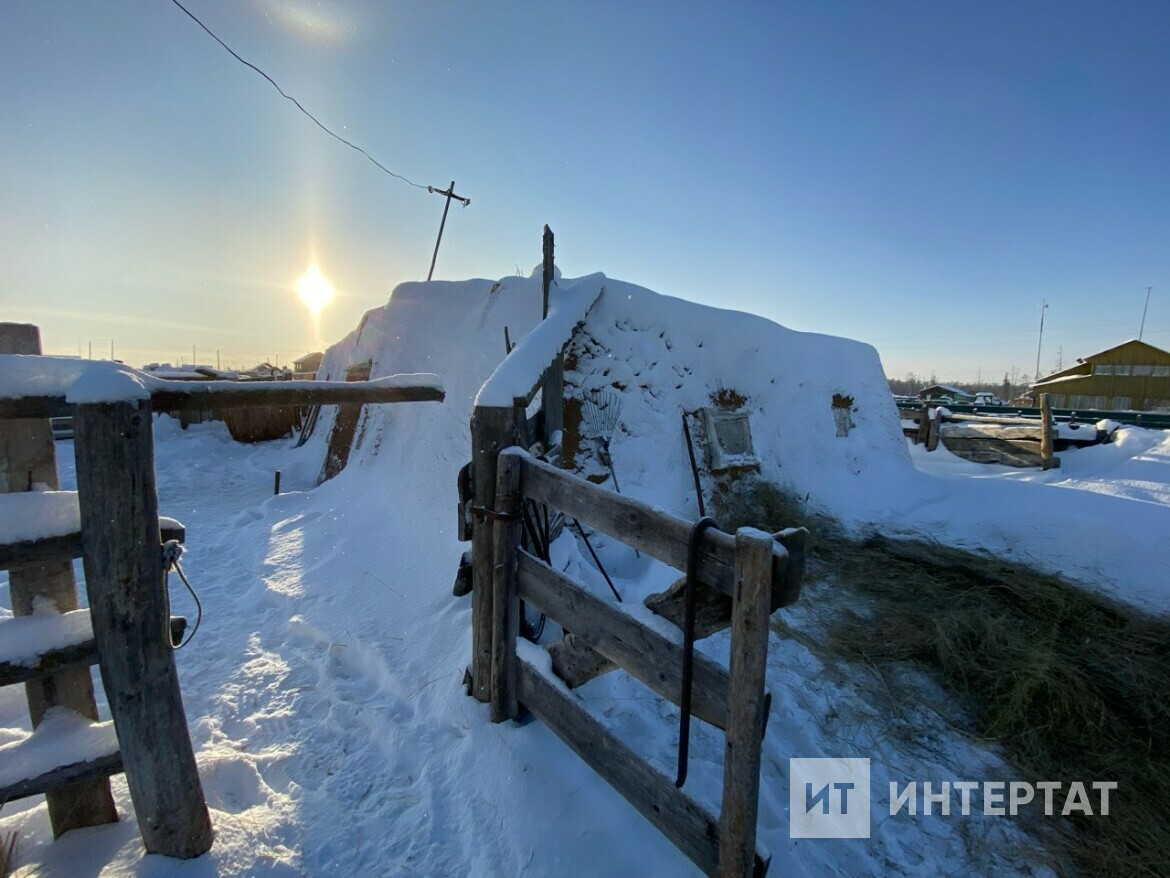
x: 28, y: 461
x: 745, y: 705
x: 966, y: 430
x: 193, y: 395
x: 647, y: 655
x: 492, y: 429
x: 653, y: 531
x: 59, y: 779
x: 124, y: 576
x: 52, y: 661
x: 505, y: 597
x: 688, y: 825
x: 60, y: 548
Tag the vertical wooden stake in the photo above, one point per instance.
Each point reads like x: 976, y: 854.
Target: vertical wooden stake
x: 28, y: 458
x: 124, y: 579
x: 505, y: 598
x: 933, y: 430
x: 745, y: 703
x: 491, y: 431
x: 1047, y: 461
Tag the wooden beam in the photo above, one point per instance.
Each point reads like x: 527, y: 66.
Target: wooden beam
x: 124, y: 578
x: 61, y: 548
x: 688, y: 825
x: 54, y: 781
x: 745, y: 705
x: 505, y: 597
x: 647, y: 655
x: 657, y: 533
x: 195, y: 395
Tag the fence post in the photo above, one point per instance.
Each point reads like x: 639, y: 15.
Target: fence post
x: 745, y: 703
x: 28, y: 458
x: 1047, y: 461
x: 124, y: 579
x: 505, y: 598
x: 491, y: 432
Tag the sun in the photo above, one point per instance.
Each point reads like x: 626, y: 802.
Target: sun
x: 314, y: 290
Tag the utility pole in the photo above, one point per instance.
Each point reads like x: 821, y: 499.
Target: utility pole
x: 1043, y: 308
x: 450, y: 193
x: 1142, y: 331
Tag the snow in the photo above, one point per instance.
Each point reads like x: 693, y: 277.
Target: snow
x: 25, y: 638
x: 518, y: 373
x: 63, y: 738
x: 37, y: 515
x: 324, y: 691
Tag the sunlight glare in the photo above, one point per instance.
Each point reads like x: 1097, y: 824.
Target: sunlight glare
x: 314, y: 290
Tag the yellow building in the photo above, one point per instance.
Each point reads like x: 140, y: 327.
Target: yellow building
x: 1134, y: 376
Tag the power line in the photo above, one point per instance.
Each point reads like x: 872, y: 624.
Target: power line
x: 283, y: 94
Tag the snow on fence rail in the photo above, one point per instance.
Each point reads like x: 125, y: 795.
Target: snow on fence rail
x: 65, y: 383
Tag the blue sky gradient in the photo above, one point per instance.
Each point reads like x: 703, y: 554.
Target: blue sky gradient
x: 918, y: 175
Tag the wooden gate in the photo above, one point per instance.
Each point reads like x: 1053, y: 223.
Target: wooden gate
x: 743, y: 567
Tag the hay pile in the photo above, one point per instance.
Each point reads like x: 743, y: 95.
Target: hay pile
x: 1070, y: 685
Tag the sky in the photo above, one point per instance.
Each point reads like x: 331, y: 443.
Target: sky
x: 917, y: 175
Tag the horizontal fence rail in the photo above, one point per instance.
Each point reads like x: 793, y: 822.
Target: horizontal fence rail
x: 188, y: 395
x: 653, y: 531
x: 645, y: 654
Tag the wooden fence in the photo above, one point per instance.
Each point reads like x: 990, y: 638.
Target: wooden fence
x: 744, y: 567
x: 119, y: 542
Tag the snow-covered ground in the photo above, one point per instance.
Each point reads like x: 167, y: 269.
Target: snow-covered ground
x: 324, y: 690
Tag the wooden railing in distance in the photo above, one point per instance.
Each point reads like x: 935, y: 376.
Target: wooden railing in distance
x: 743, y: 566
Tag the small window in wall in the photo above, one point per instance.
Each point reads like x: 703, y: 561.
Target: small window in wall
x: 1162, y: 371
x: 1121, y: 403
x: 1158, y: 405
x: 1143, y: 370
x: 729, y: 440
x: 1056, y: 400
x: 1122, y: 370
x: 1103, y: 369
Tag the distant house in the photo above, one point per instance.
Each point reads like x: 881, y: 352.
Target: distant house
x: 1134, y: 376
x: 936, y: 391
x: 308, y: 363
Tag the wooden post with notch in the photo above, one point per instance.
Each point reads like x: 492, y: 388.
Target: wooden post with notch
x: 124, y: 580
x: 28, y: 462
x: 745, y: 703
x: 505, y: 594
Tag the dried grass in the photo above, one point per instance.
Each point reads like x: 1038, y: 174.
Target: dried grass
x: 1072, y: 686
x: 7, y: 853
